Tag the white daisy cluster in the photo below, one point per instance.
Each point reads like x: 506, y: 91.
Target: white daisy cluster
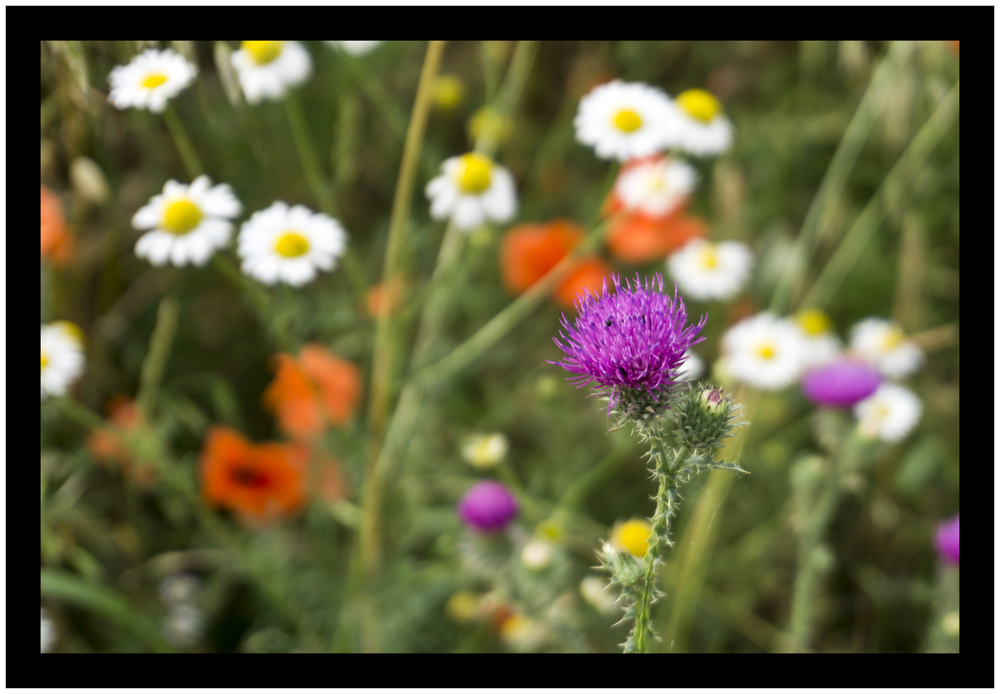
x: 185, y: 620
x: 625, y: 120
x: 268, y: 69
x: 150, y: 80
x: 471, y: 190
x: 655, y: 186
x: 483, y: 451
x: 893, y: 410
x: 764, y: 351
x: 706, y: 270
x: 48, y: 632
x: 62, y: 357
x: 355, y: 47
x: 290, y: 244
x: 186, y: 223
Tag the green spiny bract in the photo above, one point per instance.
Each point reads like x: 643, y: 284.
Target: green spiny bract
x: 704, y: 417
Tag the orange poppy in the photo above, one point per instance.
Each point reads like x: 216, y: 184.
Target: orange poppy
x: 258, y: 481
x: 589, y: 274
x: 107, y: 445
x: 638, y: 238
x: 316, y: 387
x: 57, y: 244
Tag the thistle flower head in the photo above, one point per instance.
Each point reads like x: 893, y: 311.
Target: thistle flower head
x: 631, y: 340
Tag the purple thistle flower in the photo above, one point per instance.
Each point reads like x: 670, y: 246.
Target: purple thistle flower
x: 947, y: 541
x: 632, y: 339
x: 842, y: 383
x: 487, y: 507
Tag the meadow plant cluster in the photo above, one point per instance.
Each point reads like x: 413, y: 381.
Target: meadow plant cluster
x: 309, y: 308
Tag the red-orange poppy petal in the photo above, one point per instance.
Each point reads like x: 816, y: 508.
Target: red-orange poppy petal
x: 529, y: 251
x: 56, y: 243
x: 292, y: 399
x: 638, y: 238
x: 339, y: 382
x: 588, y: 274
x: 258, y: 481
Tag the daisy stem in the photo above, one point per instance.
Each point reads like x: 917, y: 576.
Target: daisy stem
x: 159, y: 351
x: 184, y: 147
x: 823, y: 205
x: 262, y: 303
x: 383, y: 361
x: 888, y: 196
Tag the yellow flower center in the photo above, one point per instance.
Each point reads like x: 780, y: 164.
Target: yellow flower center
x: 292, y: 245
x: 45, y: 360
x: 766, y: 351
x: 474, y: 172
x: 634, y: 536
x: 448, y: 92
x: 154, y: 80
x: 699, y: 104
x: 263, y: 52
x: 181, y: 217
x: 880, y: 412
x: 709, y: 257
x: 813, y: 321
x: 893, y: 339
x: 628, y: 120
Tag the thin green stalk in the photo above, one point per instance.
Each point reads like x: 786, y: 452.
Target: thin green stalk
x: 159, y: 350
x: 263, y: 304
x: 888, y: 195
x: 184, y: 147
x: 307, y: 154
x: 383, y: 361
x: 823, y: 204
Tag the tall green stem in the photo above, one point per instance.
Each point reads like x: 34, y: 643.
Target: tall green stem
x: 184, y: 147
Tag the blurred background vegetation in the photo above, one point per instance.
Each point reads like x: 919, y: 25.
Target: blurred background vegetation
x: 108, y: 542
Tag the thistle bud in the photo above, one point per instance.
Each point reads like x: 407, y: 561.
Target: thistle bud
x: 704, y: 416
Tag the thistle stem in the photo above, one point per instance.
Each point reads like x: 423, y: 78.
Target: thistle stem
x: 184, y: 147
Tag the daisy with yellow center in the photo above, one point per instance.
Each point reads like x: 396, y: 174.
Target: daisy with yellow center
x: 267, y: 69
x: 62, y: 357
x: 290, y: 244
x: 889, y: 414
x: 624, y: 120
x: 655, y: 186
x: 763, y: 351
x: 700, y: 127
x: 471, y: 190
x: 709, y: 271
x: 483, y: 451
x: 884, y: 344
x: 820, y: 343
x: 186, y: 223
x: 632, y: 535
x: 150, y: 80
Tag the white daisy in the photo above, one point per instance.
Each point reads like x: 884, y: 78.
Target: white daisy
x: 187, y: 222
x: 889, y: 413
x: 657, y: 186
x: 267, y: 69
x: 289, y: 244
x: 48, y: 632
x: 705, y: 270
x: 624, y: 120
x: 150, y: 80
x: 62, y: 357
x: 692, y: 368
x: 537, y: 554
x: 764, y: 351
x: 820, y: 344
x: 699, y: 126
x: 355, y: 47
x: 485, y: 450
x: 883, y: 343
x: 471, y: 190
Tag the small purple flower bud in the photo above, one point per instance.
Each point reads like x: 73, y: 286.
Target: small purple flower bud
x: 488, y: 507
x: 842, y: 383
x: 947, y: 541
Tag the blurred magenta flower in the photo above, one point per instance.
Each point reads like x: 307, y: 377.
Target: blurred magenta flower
x: 632, y: 339
x: 842, y: 383
x: 947, y: 541
x: 487, y: 507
